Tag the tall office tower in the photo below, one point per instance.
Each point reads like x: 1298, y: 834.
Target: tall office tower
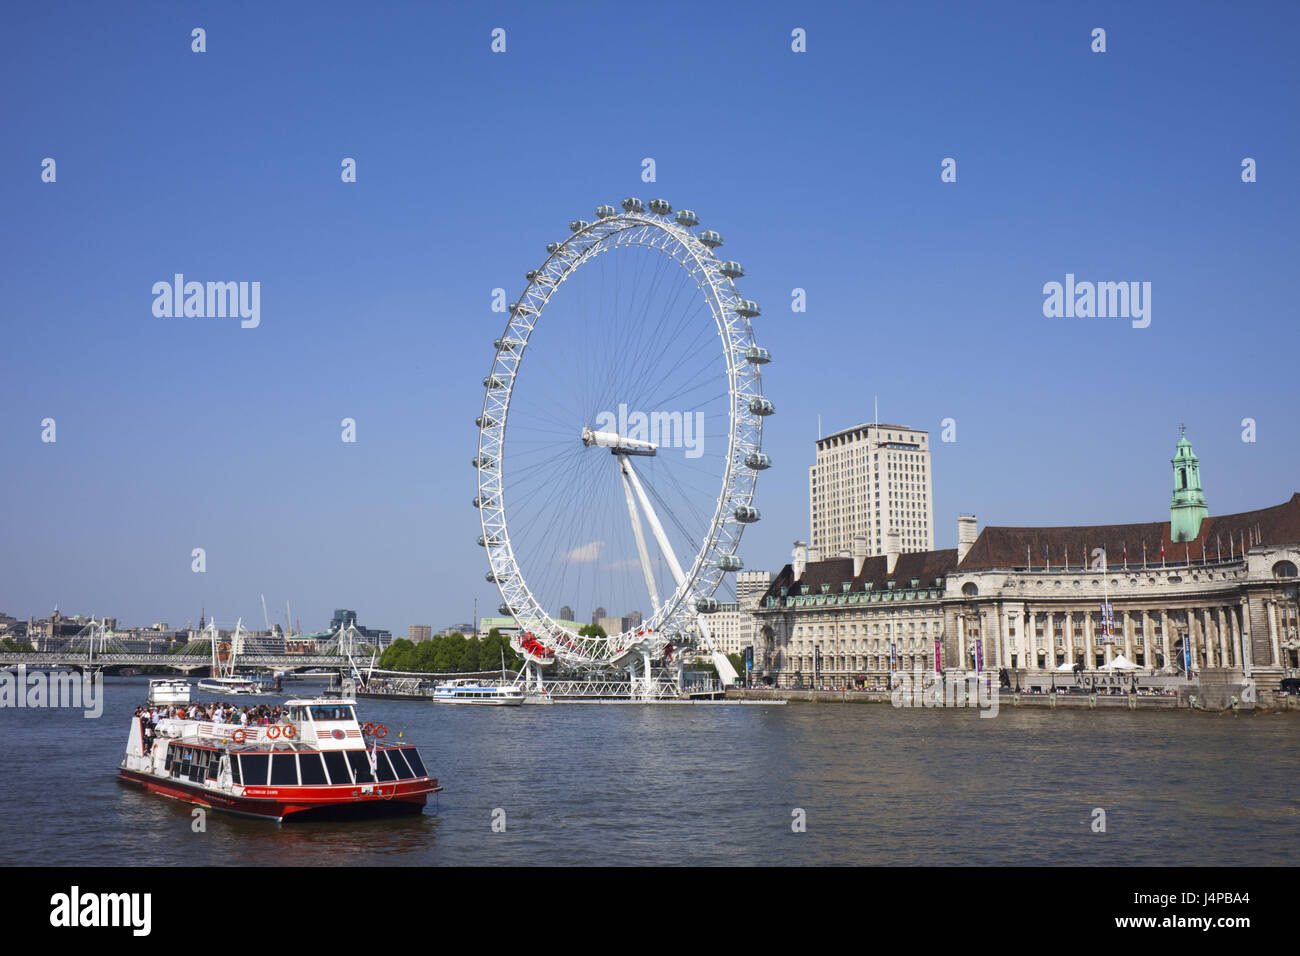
x: 869, y: 480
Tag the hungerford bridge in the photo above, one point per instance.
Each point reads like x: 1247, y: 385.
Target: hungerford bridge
x: 96, y: 647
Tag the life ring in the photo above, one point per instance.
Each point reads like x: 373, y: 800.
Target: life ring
x: 272, y: 732
x: 239, y: 736
x: 381, y: 731
x: 290, y: 732
x: 368, y: 729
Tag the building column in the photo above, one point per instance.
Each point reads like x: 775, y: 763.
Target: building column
x: 1164, y: 636
x: 961, y: 641
x: 1219, y: 637
x: 1243, y: 639
x: 1089, y: 635
x: 1128, y: 635
x: 1272, y: 632
x: 999, y: 615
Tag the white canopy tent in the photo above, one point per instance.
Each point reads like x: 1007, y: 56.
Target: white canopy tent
x: 1120, y: 663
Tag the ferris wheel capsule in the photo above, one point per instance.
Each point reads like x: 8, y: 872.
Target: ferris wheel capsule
x: 485, y: 421
x: 484, y: 461
x: 506, y: 345
x: 758, y: 356
x: 632, y: 204
x: 577, y: 225
x: 553, y: 247
x: 661, y: 207
x: 729, y: 562
x: 761, y: 406
x: 707, y: 606
x: 604, y: 212
x: 687, y: 218
x: 748, y: 308
x: 492, y: 382
x: 710, y: 238
x: 757, y: 462
x: 746, y: 514
x: 732, y: 270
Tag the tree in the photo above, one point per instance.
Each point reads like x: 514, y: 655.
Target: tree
x: 738, y: 662
x: 396, y: 656
x: 592, y: 630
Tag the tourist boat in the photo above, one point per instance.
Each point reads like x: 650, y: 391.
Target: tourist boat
x: 318, y: 762
x: 229, y: 685
x: 169, y: 691
x: 476, y: 692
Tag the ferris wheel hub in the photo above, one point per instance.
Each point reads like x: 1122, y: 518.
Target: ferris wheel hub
x: 618, y: 444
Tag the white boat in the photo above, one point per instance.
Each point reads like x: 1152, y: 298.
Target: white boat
x: 476, y: 692
x: 229, y: 685
x: 317, y: 762
x: 169, y: 691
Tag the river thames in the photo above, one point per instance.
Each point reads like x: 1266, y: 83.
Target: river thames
x: 708, y: 785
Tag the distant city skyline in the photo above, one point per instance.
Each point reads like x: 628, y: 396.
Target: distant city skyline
x: 375, y: 297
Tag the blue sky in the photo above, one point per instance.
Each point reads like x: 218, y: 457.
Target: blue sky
x: 820, y: 169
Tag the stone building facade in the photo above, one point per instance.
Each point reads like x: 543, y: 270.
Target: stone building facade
x: 1222, y: 592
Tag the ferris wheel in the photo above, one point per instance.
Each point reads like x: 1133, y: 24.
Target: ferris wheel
x: 621, y: 439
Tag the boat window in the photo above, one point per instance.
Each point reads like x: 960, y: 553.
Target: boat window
x: 254, y: 769
x: 234, y: 768
x: 313, y: 771
x: 360, y: 766
x: 332, y: 712
x: 284, y: 770
x: 413, y: 758
x: 171, y: 752
x: 337, y: 766
x: 383, y: 768
x: 214, y: 764
x: 399, y: 764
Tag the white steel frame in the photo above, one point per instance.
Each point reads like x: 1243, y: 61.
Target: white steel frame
x: 672, y: 618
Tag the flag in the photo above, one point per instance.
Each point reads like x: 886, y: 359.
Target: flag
x: 1218, y: 546
x: 1047, y: 557
x: 1162, y: 554
x: 1144, y: 554
x: 1125, y: 556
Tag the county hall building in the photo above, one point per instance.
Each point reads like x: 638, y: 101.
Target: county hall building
x: 1219, y: 592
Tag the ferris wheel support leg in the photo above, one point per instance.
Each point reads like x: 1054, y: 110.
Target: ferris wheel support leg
x: 624, y: 468
x: 726, y: 673
x: 655, y: 527
x: 648, y: 682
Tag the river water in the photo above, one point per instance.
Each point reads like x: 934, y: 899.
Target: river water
x: 706, y: 785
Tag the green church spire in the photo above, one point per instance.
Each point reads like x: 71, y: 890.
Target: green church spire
x: 1187, y: 510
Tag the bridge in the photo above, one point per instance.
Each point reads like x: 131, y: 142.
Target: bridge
x: 96, y: 647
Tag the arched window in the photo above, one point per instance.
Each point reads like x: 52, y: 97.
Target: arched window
x: 969, y: 589
x: 1284, y: 569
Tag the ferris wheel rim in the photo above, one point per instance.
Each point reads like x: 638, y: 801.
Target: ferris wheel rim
x: 609, y: 232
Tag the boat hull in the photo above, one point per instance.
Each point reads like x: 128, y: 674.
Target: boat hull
x: 296, y: 803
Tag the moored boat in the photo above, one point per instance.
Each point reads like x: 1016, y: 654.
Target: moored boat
x: 169, y: 691
x: 230, y: 686
x: 476, y: 692
x: 318, y: 762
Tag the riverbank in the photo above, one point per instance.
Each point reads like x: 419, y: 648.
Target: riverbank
x: 1268, y: 702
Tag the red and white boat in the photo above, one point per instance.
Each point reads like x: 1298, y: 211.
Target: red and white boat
x: 317, y: 763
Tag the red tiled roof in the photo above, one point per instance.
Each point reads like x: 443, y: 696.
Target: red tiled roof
x: 1000, y: 547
